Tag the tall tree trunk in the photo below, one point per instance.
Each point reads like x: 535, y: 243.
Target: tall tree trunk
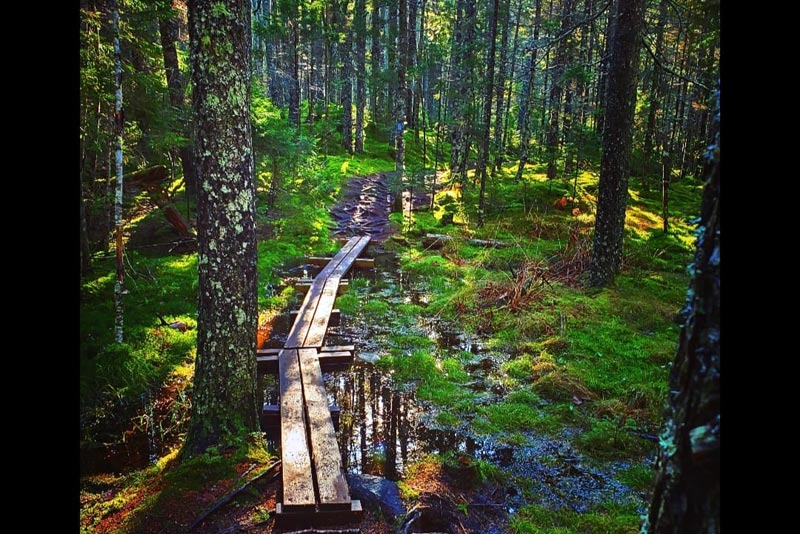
x: 86, y: 250
x: 376, y: 58
x: 400, y: 100
x: 119, y: 118
x: 294, y: 64
x: 225, y: 399
x: 602, y: 84
x: 686, y: 496
x: 391, y: 54
x: 275, y: 91
x: 557, y: 89
x: 345, y: 53
x: 483, y: 157
x: 524, y: 126
x: 656, y: 88
x: 500, y: 84
x: 617, y: 140
x: 168, y: 29
x: 360, y: 30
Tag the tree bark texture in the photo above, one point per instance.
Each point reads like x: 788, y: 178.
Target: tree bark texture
x: 686, y: 497
x: 225, y: 400
x: 360, y: 31
x: 617, y: 140
x: 483, y: 158
x: 119, y: 284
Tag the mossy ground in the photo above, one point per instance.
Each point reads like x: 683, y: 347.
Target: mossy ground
x: 593, y: 360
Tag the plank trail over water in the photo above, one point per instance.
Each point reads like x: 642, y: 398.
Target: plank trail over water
x: 313, y: 477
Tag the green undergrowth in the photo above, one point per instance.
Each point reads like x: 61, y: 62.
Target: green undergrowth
x: 148, y: 498
x: 292, y: 223
x: 598, y: 360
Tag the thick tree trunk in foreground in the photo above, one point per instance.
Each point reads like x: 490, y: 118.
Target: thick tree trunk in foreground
x: 617, y: 140
x: 686, y: 498
x: 224, y: 400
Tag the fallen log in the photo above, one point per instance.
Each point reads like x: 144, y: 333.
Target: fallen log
x: 436, y: 241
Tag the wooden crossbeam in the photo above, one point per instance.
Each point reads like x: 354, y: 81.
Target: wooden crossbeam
x: 271, y: 416
x: 329, y: 361
x: 359, y: 263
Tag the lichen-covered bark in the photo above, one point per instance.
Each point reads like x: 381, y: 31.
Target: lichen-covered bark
x: 119, y: 284
x: 224, y: 400
x: 617, y: 139
x: 686, y: 498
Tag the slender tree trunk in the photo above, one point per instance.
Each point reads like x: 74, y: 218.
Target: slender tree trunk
x: 655, y: 95
x: 345, y: 52
x: 687, y: 492
x: 602, y: 84
x: 376, y: 58
x: 525, y: 128
x: 487, y: 110
x: 400, y: 100
x: 275, y: 92
x: 86, y: 250
x: 168, y: 29
x: 360, y: 30
x: 294, y: 63
x: 617, y: 139
x: 557, y: 90
x: 225, y: 399
x: 511, y: 84
x: 119, y: 117
x: 391, y: 54
x: 500, y: 85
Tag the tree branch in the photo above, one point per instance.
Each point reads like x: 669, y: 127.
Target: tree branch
x: 563, y: 35
x: 670, y: 70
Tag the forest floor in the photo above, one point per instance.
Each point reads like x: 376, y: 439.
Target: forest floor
x: 524, y: 402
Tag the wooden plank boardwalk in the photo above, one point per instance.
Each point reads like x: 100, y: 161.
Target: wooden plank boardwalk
x: 315, y: 490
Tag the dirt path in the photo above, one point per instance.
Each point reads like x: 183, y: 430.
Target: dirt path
x: 365, y: 206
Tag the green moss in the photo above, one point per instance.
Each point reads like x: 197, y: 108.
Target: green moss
x: 540, y: 520
x: 640, y: 477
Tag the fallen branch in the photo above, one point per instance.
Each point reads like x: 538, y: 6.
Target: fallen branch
x: 227, y: 498
x: 435, y: 241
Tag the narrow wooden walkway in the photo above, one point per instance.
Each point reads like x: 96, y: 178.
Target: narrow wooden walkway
x: 315, y: 490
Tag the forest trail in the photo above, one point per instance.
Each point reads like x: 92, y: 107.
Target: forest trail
x: 365, y: 205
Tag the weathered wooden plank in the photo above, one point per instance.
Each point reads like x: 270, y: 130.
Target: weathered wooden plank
x: 335, y: 319
x: 331, y: 483
x: 319, y: 325
x: 360, y: 263
x: 338, y: 348
x: 303, y: 287
x: 271, y: 416
x: 298, y: 485
x: 322, y: 518
x: 329, y: 361
x: 307, y: 310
